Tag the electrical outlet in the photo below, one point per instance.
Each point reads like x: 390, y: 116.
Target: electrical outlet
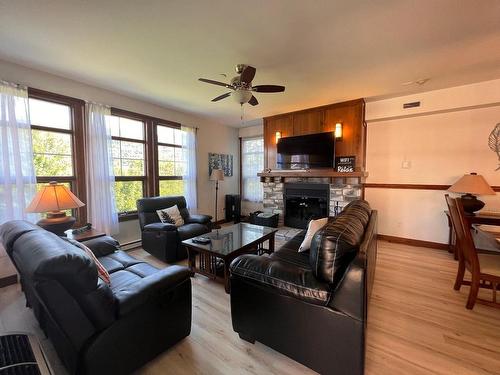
x: 406, y: 164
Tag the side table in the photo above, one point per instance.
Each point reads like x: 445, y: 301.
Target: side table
x: 84, y: 236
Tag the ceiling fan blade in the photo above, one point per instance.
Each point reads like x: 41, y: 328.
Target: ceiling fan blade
x: 268, y: 88
x: 253, y: 101
x: 216, y: 83
x: 220, y: 97
x: 247, y: 74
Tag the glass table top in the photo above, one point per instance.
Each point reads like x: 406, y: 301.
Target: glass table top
x: 231, y: 238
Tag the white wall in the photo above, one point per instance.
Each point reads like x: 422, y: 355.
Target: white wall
x: 441, y: 140
x: 249, y: 132
x: 212, y: 137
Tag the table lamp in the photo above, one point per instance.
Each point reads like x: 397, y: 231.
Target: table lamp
x: 216, y: 175
x: 53, y: 199
x: 470, y: 184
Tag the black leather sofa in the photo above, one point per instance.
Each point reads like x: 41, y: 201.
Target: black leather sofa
x: 164, y: 240
x: 98, y: 328
x: 312, y: 306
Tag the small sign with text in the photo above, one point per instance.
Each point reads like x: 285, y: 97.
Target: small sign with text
x: 345, y: 163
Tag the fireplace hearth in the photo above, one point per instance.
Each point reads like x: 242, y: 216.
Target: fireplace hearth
x: 304, y: 202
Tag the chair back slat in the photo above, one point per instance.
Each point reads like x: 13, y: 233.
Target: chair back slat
x: 465, y: 243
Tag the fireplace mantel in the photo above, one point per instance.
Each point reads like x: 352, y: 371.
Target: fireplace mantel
x: 312, y: 173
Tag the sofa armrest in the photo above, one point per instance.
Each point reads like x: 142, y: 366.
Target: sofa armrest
x: 281, y: 277
x: 350, y: 295
x: 102, y: 246
x: 197, y: 218
x: 152, y: 287
x: 155, y: 227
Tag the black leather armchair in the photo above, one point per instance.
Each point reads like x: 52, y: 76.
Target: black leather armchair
x: 312, y: 306
x: 98, y: 328
x: 164, y: 240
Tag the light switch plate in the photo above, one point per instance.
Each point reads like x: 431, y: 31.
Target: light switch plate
x: 406, y: 164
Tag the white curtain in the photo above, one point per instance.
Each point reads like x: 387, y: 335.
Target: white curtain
x: 189, y: 176
x: 17, y: 172
x: 101, y: 206
x: 252, y: 162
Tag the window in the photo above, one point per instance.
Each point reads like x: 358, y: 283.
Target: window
x: 148, y: 154
x: 172, y: 160
x: 57, y: 134
x: 252, y: 162
x: 129, y: 161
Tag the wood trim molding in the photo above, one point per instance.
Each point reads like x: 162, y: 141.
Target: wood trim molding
x: 322, y: 107
x: 413, y: 242
x: 47, y: 95
x: 77, y: 133
x: 142, y: 117
x: 415, y: 186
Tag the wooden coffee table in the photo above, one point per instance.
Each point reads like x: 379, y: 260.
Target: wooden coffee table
x: 227, y: 244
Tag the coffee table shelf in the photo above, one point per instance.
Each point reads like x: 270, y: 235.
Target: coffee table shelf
x: 226, y: 244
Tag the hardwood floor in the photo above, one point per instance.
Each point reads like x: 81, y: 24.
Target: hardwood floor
x: 417, y: 325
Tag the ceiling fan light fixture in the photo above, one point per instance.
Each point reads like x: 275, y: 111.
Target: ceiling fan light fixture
x: 241, y: 96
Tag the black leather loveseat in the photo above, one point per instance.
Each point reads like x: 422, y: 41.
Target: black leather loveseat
x: 312, y: 306
x: 164, y: 240
x: 98, y: 328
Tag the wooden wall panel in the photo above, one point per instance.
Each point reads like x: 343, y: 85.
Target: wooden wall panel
x: 353, y: 128
x: 282, y: 124
x: 308, y: 122
x: 318, y: 120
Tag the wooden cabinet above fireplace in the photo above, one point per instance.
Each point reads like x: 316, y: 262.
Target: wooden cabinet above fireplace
x: 317, y: 120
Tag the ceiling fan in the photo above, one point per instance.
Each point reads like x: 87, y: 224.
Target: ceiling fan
x: 242, y: 86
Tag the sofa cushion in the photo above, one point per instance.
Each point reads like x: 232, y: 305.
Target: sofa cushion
x: 101, y: 270
x: 156, y: 287
x: 282, y: 277
x: 156, y: 227
x: 118, y: 260
x: 335, y: 245
x: 101, y: 246
x: 191, y: 230
x: 294, y: 243
x: 290, y: 255
x: 359, y: 209
x: 12, y: 230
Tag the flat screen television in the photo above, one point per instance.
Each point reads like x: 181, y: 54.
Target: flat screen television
x: 306, y: 151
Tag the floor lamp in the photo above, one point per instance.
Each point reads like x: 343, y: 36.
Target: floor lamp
x: 216, y: 175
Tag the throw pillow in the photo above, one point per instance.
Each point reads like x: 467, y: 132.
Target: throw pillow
x: 312, y: 228
x: 101, y: 271
x: 171, y: 215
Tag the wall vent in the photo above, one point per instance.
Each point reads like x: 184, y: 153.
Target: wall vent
x: 411, y: 105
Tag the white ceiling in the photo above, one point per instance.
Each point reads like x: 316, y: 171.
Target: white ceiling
x: 322, y: 51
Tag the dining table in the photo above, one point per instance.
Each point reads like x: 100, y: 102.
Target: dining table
x: 487, y: 237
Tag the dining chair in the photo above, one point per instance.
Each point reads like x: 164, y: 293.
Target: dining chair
x: 484, y: 268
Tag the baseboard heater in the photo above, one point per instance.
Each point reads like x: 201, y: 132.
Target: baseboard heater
x: 21, y: 354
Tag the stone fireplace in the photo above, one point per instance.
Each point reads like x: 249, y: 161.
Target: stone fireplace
x: 337, y: 191
x: 304, y: 202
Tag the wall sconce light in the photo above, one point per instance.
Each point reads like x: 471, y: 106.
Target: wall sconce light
x: 277, y: 137
x: 338, y: 131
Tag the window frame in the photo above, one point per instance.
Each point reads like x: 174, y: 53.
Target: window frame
x: 132, y: 215
x: 151, y: 180
x: 78, y: 180
x: 157, y: 143
x: 242, y: 181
